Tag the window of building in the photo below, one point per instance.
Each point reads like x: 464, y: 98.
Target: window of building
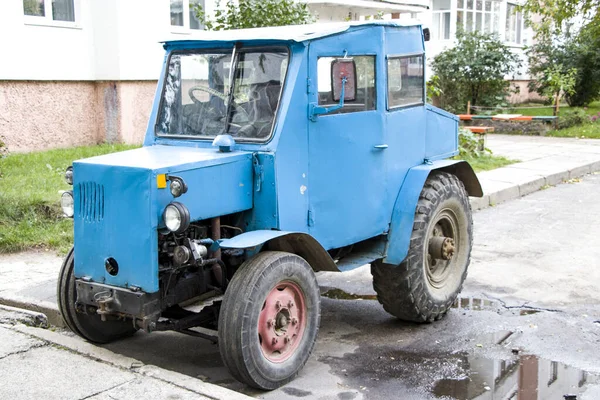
x: 478, y: 15
x: 44, y: 11
x: 514, y: 24
x: 183, y: 14
x: 440, y: 27
x: 405, y: 80
x: 366, y: 95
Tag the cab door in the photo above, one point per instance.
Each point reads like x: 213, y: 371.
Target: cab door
x: 347, y: 150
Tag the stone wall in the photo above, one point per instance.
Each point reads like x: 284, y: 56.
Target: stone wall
x: 39, y: 115
x: 536, y: 128
x: 523, y: 95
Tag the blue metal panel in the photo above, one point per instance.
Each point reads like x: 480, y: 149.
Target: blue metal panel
x: 251, y: 239
x: 113, y: 219
x: 442, y: 134
x: 347, y: 179
x: 212, y: 190
x: 263, y: 214
x: 119, y: 206
x: 403, y: 215
x: 291, y: 162
x: 405, y: 130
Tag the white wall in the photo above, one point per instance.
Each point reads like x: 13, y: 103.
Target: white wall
x: 35, y: 52
x: 110, y: 40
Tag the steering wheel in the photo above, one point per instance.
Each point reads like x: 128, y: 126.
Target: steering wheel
x: 220, y: 95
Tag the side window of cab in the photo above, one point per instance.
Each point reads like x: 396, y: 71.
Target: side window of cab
x: 405, y: 81
x: 366, y: 95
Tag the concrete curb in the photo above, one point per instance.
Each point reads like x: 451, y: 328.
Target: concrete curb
x: 511, y: 191
x: 79, y: 346
x: 50, y: 310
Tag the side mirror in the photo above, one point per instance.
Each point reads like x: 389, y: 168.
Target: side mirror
x: 426, y: 34
x: 343, y: 68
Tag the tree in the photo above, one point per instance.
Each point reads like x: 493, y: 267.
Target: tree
x: 474, y: 70
x: 256, y: 13
x: 549, y: 16
x: 578, y: 52
x: 559, y: 82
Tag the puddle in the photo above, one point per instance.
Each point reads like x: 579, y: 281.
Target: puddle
x: 528, y: 312
x: 523, y: 377
x: 475, y: 304
x: 387, y: 369
x: 339, y: 294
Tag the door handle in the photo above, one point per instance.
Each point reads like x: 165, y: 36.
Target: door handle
x: 381, y: 146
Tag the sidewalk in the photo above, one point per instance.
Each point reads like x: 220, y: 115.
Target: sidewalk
x: 28, y: 280
x: 545, y: 161
x: 41, y: 364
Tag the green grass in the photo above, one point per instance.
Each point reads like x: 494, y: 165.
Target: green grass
x: 541, y: 110
x: 488, y: 162
x: 586, y: 131
x: 30, y: 214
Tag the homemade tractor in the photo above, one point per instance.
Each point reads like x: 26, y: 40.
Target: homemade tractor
x: 271, y: 154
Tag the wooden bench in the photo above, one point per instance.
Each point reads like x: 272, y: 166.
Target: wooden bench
x: 480, y: 132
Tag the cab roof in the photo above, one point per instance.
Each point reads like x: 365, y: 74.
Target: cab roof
x: 295, y: 33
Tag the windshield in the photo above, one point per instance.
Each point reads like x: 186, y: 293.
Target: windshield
x: 199, y: 100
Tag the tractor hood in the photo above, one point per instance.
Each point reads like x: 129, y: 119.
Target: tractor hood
x: 120, y: 199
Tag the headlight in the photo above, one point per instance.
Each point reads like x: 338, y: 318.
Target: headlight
x: 69, y: 175
x: 177, y: 217
x: 67, y: 204
x: 178, y: 186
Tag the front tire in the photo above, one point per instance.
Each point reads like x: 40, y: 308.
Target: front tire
x: 87, y: 325
x: 269, y: 319
x: 425, y: 285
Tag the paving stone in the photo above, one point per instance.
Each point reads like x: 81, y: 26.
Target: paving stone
x: 33, y: 375
x: 143, y: 387
x: 14, y: 342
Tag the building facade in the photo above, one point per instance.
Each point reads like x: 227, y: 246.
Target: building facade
x: 78, y: 72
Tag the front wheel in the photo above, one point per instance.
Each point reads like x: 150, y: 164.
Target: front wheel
x: 425, y: 285
x: 86, y: 323
x: 269, y: 319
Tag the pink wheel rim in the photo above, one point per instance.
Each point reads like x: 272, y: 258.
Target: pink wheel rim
x: 282, y: 321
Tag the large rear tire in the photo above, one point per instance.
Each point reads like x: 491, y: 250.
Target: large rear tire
x: 88, y: 325
x: 269, y: 319
x: 425, y: 285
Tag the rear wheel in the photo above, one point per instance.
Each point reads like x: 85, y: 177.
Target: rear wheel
x: 269, y: 319
x: 425, y: 285
x: 86, y: 323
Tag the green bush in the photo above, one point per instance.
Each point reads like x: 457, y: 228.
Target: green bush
x: 571, y: 118
x: 468, y: 144
x: 474, y: 70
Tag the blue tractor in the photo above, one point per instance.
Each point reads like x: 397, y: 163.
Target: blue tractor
x: 271, y: 154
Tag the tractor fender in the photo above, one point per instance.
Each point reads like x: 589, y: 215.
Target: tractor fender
x: 403, y: 215
x: 301, y: 244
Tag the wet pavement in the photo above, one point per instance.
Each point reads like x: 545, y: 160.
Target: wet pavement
x: 514, y: 334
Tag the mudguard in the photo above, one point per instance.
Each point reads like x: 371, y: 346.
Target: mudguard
x: 403, y: 215
x: 301, y: 244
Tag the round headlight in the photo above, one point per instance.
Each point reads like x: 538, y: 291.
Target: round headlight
x: 69, y: 175
x: 178, y: 186
x: 67, y: 204
x: 177, y: 217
